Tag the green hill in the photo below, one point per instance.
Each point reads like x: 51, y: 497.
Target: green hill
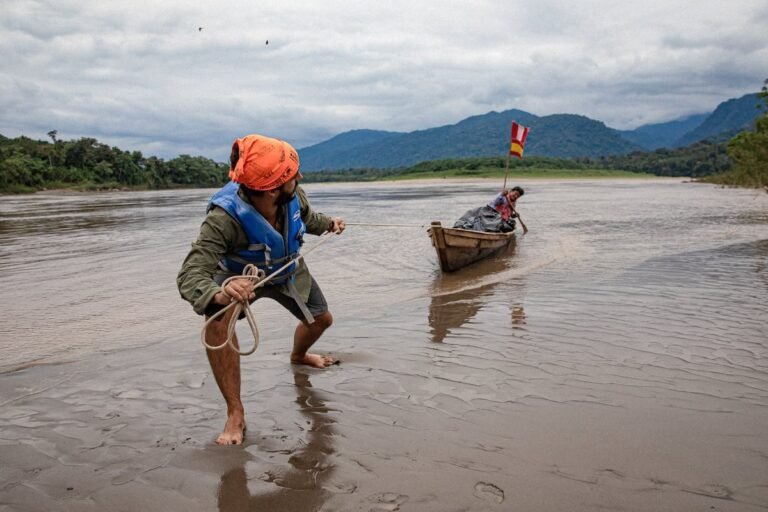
x: 556, y: 136
x: 560, y: 135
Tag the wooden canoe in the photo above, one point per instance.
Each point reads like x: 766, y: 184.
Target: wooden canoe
x: 456, y: 248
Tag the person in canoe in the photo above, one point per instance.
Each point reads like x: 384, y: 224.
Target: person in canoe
x: 498, y: 216
x: 260, y: 217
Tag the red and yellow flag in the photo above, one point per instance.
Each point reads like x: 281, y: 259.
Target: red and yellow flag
x: 517, y: 139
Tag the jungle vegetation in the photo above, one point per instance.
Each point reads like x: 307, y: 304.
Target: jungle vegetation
x: 28, y: 165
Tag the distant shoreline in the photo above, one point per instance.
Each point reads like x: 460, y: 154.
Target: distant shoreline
x: 517, y: 178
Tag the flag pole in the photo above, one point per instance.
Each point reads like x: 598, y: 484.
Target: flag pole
x: 506, y: 173
x: 506, y: 165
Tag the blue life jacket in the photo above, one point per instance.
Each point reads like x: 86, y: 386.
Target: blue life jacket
x: 268, y: 249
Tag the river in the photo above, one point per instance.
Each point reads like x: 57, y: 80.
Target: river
x: 620, y: 348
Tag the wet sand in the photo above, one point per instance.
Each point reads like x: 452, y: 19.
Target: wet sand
x: 134, y: 431
x: 608, y: 362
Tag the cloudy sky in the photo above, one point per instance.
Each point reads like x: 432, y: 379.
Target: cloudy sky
x: 168, y: 77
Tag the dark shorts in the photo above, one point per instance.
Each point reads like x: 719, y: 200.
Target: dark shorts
x: 315, y: 303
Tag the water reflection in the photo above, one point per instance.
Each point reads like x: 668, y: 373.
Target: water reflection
x: 518, y: 317
x: 457, y: 297
x: 298, y: 485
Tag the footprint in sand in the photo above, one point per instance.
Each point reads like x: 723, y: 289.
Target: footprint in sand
x: 387, y: 502
x: 488, y: 492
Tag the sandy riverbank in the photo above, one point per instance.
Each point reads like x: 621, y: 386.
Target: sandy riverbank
x: 133, y: 431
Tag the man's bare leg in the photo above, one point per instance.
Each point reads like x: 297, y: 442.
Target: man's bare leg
x: 305, y: 336
x: 225, y: 364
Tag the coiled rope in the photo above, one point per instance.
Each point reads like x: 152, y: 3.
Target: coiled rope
x: 259, y: 279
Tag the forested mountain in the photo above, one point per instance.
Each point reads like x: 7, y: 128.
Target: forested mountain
x: 729, y: 118
x: 559, y: 135
x: 663, y: 135
x: 571, y: 136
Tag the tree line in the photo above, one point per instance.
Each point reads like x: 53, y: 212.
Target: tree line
x: 700, y: 159
x: 27, y: 165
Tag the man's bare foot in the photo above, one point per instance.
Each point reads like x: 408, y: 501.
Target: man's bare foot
x: 315, y: 360
x: 233, y: 430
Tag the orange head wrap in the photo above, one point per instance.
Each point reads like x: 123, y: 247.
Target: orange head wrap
x: 264, y: 163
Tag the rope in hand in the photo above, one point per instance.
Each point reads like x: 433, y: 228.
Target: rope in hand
x: 259, y: 279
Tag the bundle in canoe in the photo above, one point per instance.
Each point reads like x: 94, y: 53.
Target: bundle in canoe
x: 457, y: 248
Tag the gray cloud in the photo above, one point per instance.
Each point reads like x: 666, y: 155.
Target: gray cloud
x: 142, y: 76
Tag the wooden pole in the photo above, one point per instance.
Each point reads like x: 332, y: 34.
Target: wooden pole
x: 506, y: 173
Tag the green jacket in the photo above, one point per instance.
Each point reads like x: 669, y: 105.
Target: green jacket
x: 220, y: 234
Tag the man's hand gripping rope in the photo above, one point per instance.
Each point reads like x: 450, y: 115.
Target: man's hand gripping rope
x: 256, y: 276
x: 258, y: 279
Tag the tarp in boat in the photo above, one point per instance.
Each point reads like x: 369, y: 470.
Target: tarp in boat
x: 486, y: 219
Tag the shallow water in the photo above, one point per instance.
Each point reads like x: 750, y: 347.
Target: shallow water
x: 617, y: 353
x: 96, y: 272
